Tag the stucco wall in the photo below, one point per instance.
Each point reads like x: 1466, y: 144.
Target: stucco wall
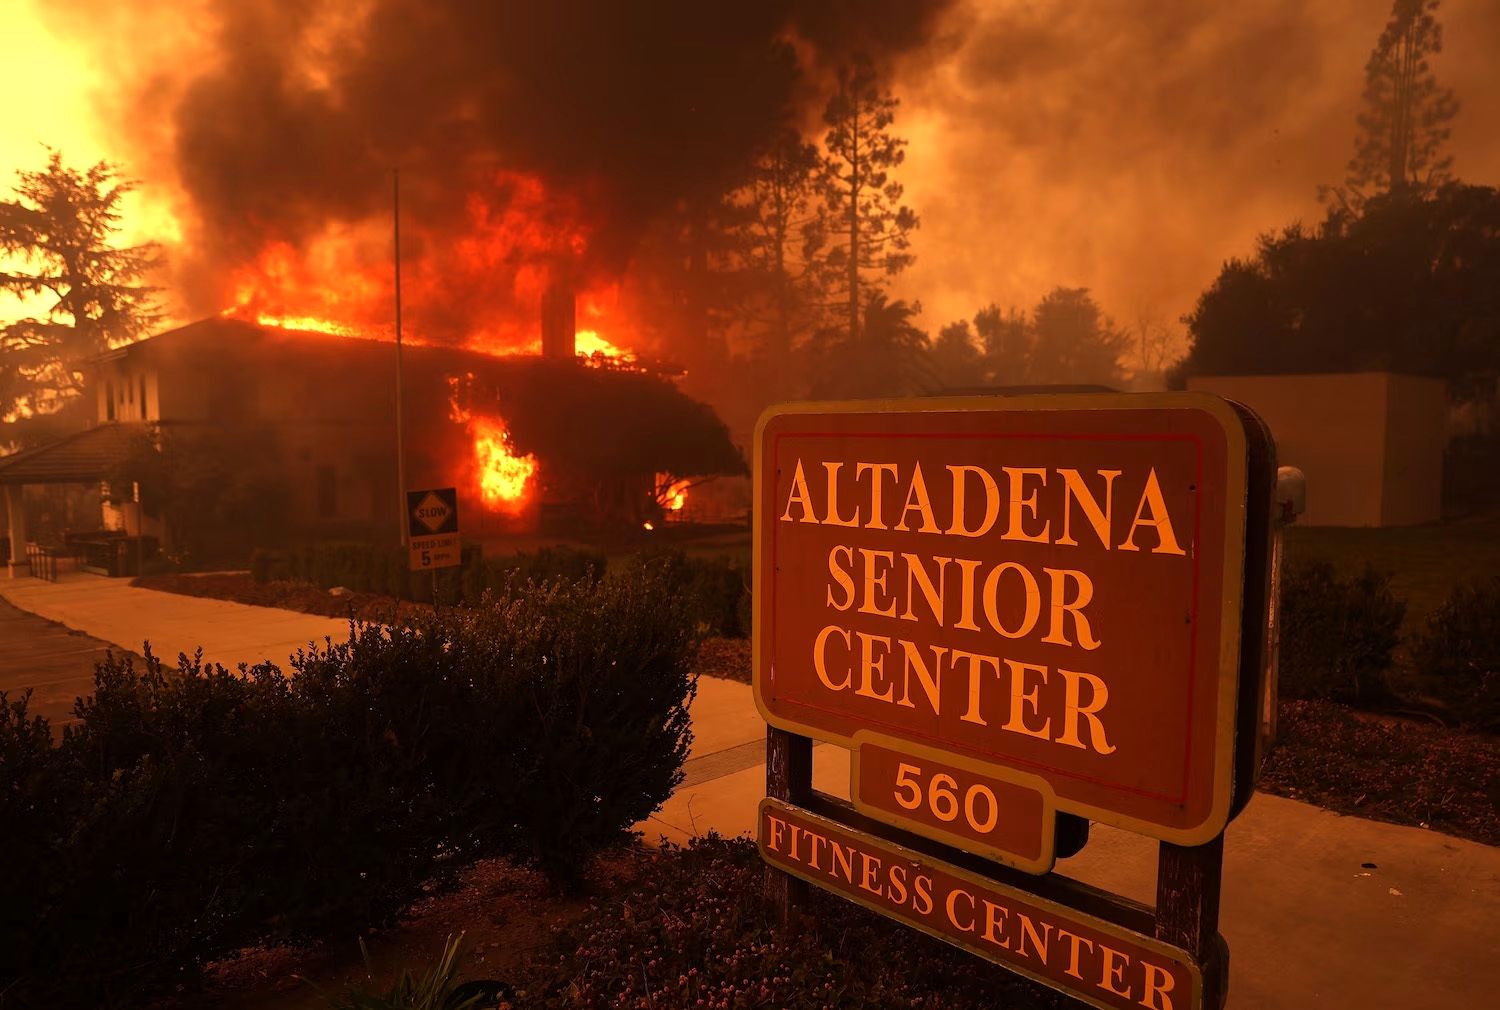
x: 1370, y: 443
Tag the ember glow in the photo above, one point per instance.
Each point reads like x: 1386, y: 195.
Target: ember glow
x: 504, y: 477
x: 474, y: 279
x: 588, y: 343
x: 672, y: 494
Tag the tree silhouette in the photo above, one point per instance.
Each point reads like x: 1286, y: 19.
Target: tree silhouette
x: 778, y: 229
x: 1004, y: 336
x: 867, y: 229
x: 1072, y: 342
x: 60, y: 229
x: 887, y: 356
x: 1406, y: 114
x: 1410, y: 285
x: 955, y: 356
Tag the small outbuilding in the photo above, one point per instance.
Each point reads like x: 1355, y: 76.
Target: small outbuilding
x: 1370, y: 443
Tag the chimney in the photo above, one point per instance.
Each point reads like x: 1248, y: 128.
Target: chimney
x: 559, y: 320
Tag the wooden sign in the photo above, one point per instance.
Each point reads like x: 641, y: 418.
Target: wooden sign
x: 432, y: 523
x: 1083, y: 955
x: 1010, y: 607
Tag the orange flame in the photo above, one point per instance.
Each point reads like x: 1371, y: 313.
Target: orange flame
x: 503, y: 475
x: 672, y: 494
x: 589, y: 344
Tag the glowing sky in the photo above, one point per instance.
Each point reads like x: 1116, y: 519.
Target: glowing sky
x: 1129, y: 146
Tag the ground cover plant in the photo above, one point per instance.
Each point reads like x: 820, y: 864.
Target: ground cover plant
x: 194, y: 811
x: 1338, y: 633
x: 1457, y: 656
x: 1398, y: 770
x: 691, y: 929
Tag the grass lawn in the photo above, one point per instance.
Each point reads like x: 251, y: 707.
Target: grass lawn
x: 1425, y: 562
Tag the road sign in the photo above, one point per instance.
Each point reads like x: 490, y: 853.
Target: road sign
x: 432, y: 525
x: 1044, y: 592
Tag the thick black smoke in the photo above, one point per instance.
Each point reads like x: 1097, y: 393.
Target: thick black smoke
x: 297, y: 118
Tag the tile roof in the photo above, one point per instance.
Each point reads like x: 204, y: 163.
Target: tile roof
x: 80, y: 458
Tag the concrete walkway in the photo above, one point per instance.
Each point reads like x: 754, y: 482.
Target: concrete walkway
x: 114, y: 611
x: 1308, y: 923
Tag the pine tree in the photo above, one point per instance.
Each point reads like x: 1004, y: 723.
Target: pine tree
x: 58, y: 232
x: 867, y: 228
x: 1405, y: 120
x: 778, y: 237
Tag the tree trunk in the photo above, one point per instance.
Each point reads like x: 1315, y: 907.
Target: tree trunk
x: 854, y: 186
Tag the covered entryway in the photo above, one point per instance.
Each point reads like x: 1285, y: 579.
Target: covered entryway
x: 84, y: 458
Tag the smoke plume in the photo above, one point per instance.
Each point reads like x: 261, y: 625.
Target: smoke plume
x: 525, y: 132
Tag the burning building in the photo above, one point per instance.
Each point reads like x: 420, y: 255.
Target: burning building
x: 561, y: 441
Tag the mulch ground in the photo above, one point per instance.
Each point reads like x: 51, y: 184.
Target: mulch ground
x: 1388, y: 769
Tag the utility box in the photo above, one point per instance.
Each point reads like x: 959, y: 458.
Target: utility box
x: 1370, y: 443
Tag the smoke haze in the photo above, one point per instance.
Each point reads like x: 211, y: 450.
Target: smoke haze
x: 1125, y: 145
x: 1131, y: 146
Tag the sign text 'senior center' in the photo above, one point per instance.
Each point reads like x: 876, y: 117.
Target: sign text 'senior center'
x: 1047, y: 604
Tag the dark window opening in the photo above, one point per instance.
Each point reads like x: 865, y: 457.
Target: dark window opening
x: 143, y: 397
x: 109, y: 401
x: 328, y: 492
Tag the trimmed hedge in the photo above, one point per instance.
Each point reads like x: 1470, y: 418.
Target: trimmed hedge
x: 1337, y: 634
x: 717, y: 589
x: 192, y: 812
x: 375, y: 568
x: 1458, y: 654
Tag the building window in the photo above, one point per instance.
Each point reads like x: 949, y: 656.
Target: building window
x: 143, y: 396
x: 109, y: 401
x: 328, y: 492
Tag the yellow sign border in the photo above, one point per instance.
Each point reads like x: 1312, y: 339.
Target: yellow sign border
x: 1104, y: 926
x: 1235, y: 526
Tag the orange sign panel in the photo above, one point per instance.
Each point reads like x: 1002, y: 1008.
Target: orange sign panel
x: 1097, y: 961
x: 1035, y: 591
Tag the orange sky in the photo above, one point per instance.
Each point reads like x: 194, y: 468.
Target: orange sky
x: 1124, y: 145
x: 1131, y: 146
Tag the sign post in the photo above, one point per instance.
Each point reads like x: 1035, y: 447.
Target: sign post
x: 1016, y: 613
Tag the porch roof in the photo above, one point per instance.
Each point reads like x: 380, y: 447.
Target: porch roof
x: 80, y: 458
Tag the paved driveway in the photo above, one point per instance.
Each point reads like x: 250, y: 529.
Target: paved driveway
x: 57, y: 663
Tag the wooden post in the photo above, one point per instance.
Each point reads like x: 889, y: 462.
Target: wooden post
x: 1187, y: 908
x: 789, y: 778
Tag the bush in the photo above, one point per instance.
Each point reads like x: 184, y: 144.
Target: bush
x: 1337, y: 634
x: 1458, y: 654
x: 695, y: 931
x: 374, y: 568
x: 195, y: 811
x: 717, y: 589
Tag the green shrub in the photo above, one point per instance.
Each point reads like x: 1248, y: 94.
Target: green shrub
x: 195, y: 811
x: 1458, y: 654
x: 1337, y: 634
x: 376, y: 568
x: 717, y: 589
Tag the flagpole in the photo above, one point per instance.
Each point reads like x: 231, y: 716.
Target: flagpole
x: 400, y: 422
